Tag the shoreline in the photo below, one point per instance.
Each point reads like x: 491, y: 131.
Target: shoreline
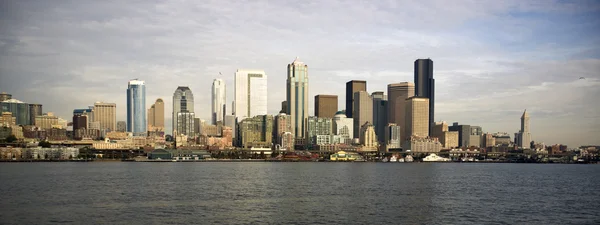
x: 273, y: 161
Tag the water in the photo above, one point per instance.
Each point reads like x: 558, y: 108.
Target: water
x: 298, y: 193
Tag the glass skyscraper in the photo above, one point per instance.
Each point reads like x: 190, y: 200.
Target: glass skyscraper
x: 183, y: 111
x: 136, y: 107
x: 297, y: 96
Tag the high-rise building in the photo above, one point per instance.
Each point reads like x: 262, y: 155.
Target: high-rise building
x: 368, y: 138
x: 106, y: 115
x: 121, y: 126
x: 352, y: 87
x: 476, y: 136
x: 136, y: 107
x: 34, y: 111
x: 283, y: 124
x: 156, y: 116
x: 283, y: 107
x: 250, y: 93
x: 7, y: 119
x: 380, y: 114
x: 524, y: 135
x: 363, y: 111
x: 19, y: 109
x: 326, y: 105
x: 4, y: 96
x: 183, y: 101
x: 80, y: 121
x: 344, y: 127
x: 397, y: 95
x: 297, y: 96
x: 417, y: 117
x: 392, y: 137
x: 219, y: 101
x: 231, y: 122
x: 448, y: 139
x: 425, y: 84
x: 464, y: 134
x: 256, y: 132
x: 46, y: 121
x: 489, y: 140
x: 185, y: 124
x: 317, y: 126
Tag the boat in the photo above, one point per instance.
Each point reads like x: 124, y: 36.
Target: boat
x: 385, y: 159
x: 393, y: 159
x: 409, y: 158
x: 401, y: 160
x: 435, y: 158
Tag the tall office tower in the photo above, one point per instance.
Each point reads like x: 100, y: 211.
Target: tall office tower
x: 256, y: 132
x: 397, y: 95
x: 136, y: 107
x: 380, y: 114
x: 524, y: 135
x: 4, y: 96
x: 80, y: 121
x: 297, y: 96
x: 283, y: 107
x: 417, y: 117
x: 392, y: 137
x: 344, y: 127
x: 106, y: 115
x: 156, y: 116
x: 352, y: 87
x: 183, y: 102
x: 425, y: 84
x: 326, y: 105
x: 198, y: 125
x: 219, y: 101
x: 363, y: 111
x: 250, y: 93
x: 368, y: 138
x: 185, y: 124
x: 34, y: 110
x: 317, y: 126
x: 121, y: 126
x: 19, y: 109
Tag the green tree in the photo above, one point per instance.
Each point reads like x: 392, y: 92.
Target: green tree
x: 11, y: 138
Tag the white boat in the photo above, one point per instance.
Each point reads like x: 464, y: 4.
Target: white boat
x: 393, y: 159
x: 435, y: 158
x: 400, y: 160
x: 385, y: 159
x: 409, y: 158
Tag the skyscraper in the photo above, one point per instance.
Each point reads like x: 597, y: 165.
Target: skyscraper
x: 19, y: 109
x: 106, y: 116
x: 183, y: 102
x: 156, y: 116
x: 425, y: 84
x: 136, y: 107
x: 34, y: 110
x: 524, y: 135
x: 250, y: 93
x: 344, y: 127
x: 417, y: 117
x: 297, y: 96
x: 380, y: 114
x: 219, y: 101
x: 326, y: 105
x: 352, y: 87
x: 363, y: 111
x: 397, y: 95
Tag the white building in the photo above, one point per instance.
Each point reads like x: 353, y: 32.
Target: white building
x: 343, y: 127
x: 250, y: 94
x: 219, y: 101
x: 297, y: 96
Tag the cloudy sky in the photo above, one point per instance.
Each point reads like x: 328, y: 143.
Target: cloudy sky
x: 492, y: 59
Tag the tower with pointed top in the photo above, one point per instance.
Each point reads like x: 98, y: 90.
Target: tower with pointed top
x: 524, y: 139
x: 297, y: 96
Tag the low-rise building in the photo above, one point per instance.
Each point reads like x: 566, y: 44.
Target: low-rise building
x: 422, y: 144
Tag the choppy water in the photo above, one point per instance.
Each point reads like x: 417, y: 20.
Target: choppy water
x: 298, y: 193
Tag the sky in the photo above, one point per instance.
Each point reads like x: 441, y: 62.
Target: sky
x: 492, y: 59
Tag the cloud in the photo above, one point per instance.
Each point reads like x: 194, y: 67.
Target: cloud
x: 492, y: 59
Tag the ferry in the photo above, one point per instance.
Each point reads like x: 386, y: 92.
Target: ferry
x: 409, y: 158
x: 435, y: 158
x: 393, y: 159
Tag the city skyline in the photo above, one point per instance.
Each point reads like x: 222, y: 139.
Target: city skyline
x: 467, y: 89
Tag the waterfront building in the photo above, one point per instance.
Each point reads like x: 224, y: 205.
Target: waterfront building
x: 256, y: 132
x: 250, y: 93
x: 345, y: 156
x: 326, y: 105
x: 392, y: 139
x: 343, y: 127
x: 136, y: 107
x: 86, y: 134
x: 448, y: 139
x: 489, y: 140
x: 283, y: 124
x: 425, y: 84
x: 317, y: 126
x: 502, y: 138
x: 4, y: 96
x: 46, y: 121
x: 121, y: 126
x: 380, y: 114
x: 464, y: 134
x: 368, y: 138
x: 524, y: 135
x: 19, y: 109
x: 34, y: 111
x: 363, y: 111
x: 417, y: 117
x: 397, y: 95
x: 230, y: 121
x: 422, y: 144
x: 297, y: 96
x: 476, y: 136
x: 183, y: 102
x: 156, y: 116
x: 106, y: 115
x: 352, y: 87
x: 287, y: 141
x: 218, y: 100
